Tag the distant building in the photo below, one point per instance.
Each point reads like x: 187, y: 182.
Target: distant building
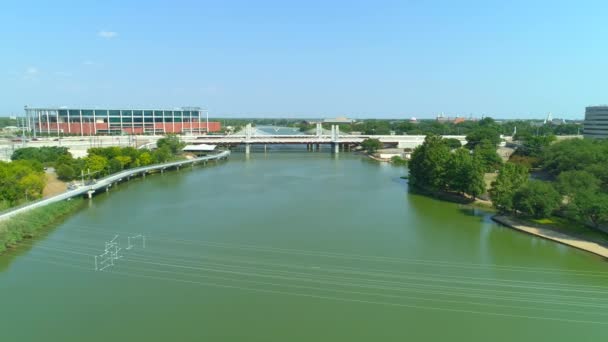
x: 458, y: 120
x: 445, y: 119
x: 339, y: 120
x: 413, y: 120
x: 596, y: 122
x: 442, y: 118
x: 87, y: 121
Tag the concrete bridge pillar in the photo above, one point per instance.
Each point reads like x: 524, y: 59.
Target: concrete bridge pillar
x: 247, y: 148
x: 335, y: 147
x: 90, y: 193
x: 318, y: 147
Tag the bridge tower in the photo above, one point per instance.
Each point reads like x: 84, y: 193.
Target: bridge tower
x: 319, y: 130
x: 335, y: 138
x: 248, y: 135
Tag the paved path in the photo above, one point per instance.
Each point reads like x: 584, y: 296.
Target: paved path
x: 104, y: 183
x: 589, y: 246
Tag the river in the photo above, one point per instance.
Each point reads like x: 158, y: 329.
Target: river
x: 295, y: 246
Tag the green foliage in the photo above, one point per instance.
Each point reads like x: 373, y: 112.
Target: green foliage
x: 590, y: 206
x: 124, y: 161
x: 65, y: 172
x: 485, y: 151
x: 534, y: 145
x: 487, y: 134
x: 31, y: 223
x: 464, y: 173
x: 20, y: 180
x: 537, y: 199
x: 599, y: 171
x: 510, y: 178
x: 526, y: 161
x: 429, y: 163
x: 574, y: 154
x: 371, y: 145
x: 397, y: 160
x: 96, y: 164
x: 571, y: 182
x: 161, y: 155
x: 452, y: 143
x: 6, y: 121
x: 45, y: 154
x: 171, y: 141
x: 145, y: 158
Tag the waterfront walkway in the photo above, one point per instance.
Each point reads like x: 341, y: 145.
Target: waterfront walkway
x: 573, y: 241
x: 107, y: 182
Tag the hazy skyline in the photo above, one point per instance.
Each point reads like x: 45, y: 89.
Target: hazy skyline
x: 389, y: 59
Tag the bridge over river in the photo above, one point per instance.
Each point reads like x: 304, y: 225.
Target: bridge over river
x: 339, y: 142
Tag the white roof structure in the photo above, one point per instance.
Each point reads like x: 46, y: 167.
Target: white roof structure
x: 199, y: 148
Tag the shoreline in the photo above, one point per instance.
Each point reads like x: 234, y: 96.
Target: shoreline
x: 22, y: 224
x: 38, y: 221
x: 553, y: 235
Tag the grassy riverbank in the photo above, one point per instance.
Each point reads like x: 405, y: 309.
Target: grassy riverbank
x: 35, y: 222
x: 582, y: 238
x: 453, y: 197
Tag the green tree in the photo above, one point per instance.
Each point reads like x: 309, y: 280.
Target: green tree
x: 452, y: 143
x: 44, y: 155
x: 397, y: 160
x: 145, y: 158
x: 537, y: 199
x: 486, y: 152
x: 510, y: 178
x: 486, y: 134
x: 464, y: 173
x: 371, y: 145
x: 172, y: 142
x: 571, y: 182
x: 96, y: 164
x: 534, y: 145
x: 591, y: 206
x: 428, y: 164
x: 124, y: 161
x: 114, y: 165
x: 574, y: 154
x: 20, y: 179
x: 65, y: 172
x: 458, y: 169
x: 32, y: 185
x: 162, y: 154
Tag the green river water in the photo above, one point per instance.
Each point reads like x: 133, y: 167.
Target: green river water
x: 296, y: 246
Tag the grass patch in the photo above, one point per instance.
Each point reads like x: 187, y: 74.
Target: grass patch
x: 571, y: 227
x: 32, y: 223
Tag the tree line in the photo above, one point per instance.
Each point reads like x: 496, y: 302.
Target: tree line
x: 574, y: 179
x: 444, y: 165
x: 525, y: 128
x: 20, y: 181
x: 24, y: 179
x: 577, y: 186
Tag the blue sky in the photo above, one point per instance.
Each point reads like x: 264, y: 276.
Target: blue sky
x: 392, y: 59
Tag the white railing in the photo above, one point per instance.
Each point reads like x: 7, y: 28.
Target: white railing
x: 106, y: 182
